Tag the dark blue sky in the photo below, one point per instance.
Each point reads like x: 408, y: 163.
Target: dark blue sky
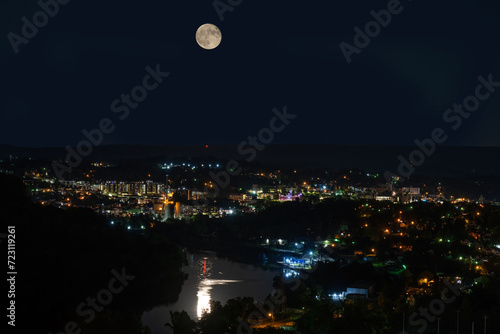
x: 273, y: 53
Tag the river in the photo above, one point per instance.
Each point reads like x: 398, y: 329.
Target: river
x: 211, y: 278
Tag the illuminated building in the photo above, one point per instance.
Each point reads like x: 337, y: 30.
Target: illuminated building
x: 177, y: 213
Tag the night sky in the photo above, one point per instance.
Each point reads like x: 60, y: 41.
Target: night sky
x: 273, y: 53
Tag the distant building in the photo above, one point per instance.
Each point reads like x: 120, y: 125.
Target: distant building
x: 177, y: 212
x: 239, y: 197
x: 360, y: 289
x: 384, y: 196
x: 147, y: 188
x: 290, y: 197
x: 197, y: 195
x: 411, y: 190
x: 269, y: 195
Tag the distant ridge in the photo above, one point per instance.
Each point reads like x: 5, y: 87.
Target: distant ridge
x: 446, y: 160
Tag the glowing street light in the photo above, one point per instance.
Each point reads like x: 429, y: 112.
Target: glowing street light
x: 272, y: 317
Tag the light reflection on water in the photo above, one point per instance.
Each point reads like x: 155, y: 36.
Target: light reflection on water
x: 204, y: 293
x: 206, y: 283
x: 222, y: 281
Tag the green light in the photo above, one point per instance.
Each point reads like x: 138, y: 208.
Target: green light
x: 404, y: 266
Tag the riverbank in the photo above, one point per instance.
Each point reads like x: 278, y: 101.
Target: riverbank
x: 238, y: 251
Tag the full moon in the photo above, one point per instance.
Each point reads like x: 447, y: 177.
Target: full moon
x: 208, y: 36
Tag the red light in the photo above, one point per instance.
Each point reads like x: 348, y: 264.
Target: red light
x: 206, y: 146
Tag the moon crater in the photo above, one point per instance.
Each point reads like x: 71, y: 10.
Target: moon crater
x: 208, y: 36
